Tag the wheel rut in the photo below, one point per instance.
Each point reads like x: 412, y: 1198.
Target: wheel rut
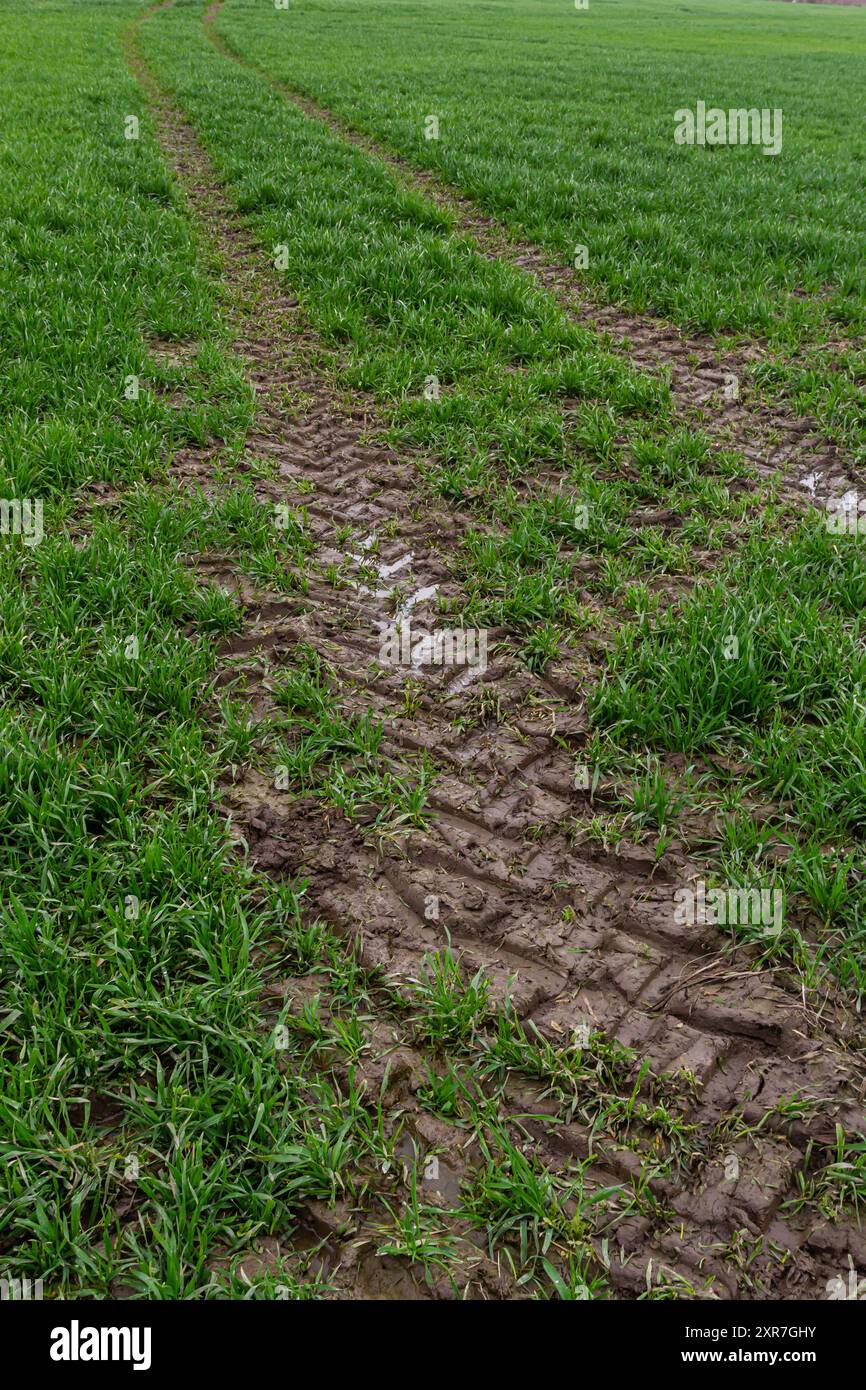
x: 575, y: 939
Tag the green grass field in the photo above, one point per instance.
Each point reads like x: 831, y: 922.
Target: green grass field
x: 558, y: 121
x: 279, y: 927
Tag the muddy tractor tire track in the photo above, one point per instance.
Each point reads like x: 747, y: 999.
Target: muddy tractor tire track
x: 573, y: 935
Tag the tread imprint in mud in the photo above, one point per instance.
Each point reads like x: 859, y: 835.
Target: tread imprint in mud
x: 616, y: 960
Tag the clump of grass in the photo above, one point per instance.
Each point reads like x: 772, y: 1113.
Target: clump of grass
x: 449, y: 1006
x: 338, y: 755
